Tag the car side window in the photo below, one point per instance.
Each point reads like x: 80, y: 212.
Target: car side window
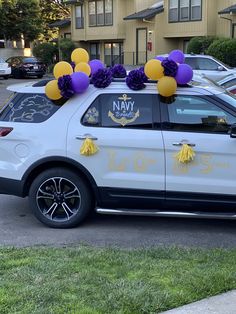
x: 229, y: 83
x: 31, y: 108
x: 195, y: 114
x: 122, y: 110
x: 207, y: 64
x: 191, y: 62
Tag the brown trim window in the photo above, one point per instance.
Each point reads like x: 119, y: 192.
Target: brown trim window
x: 100, y: 12
x: 79, y: 19
x: 185, y: 10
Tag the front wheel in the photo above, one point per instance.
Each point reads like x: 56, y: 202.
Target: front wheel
x: 60, y: 198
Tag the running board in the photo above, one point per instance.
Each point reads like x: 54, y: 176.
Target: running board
x: 159, y: 213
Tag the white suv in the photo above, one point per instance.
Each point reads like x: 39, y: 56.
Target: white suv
x: 208, y: 66
x: 134, y: 171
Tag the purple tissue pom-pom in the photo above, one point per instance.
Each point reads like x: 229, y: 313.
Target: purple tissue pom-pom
x: 136, y: 79
x: 118, y: 71
x: 102, y: 78
x: 65, y: 86
x: 73, y: 65
x: 170, y: 67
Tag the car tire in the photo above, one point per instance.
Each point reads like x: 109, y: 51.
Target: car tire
x: 6, y: 77
x: 39, y: 76
x: 17, y: 74
x: 60, y: 198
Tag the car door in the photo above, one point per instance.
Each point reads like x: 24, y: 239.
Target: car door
x: 126, y: 128
x: 203, y: 123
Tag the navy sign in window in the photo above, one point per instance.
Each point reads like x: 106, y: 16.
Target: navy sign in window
x: 122, y: 111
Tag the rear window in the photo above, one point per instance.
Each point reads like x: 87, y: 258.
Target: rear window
x: 28, y: 60
x: 29, y: 108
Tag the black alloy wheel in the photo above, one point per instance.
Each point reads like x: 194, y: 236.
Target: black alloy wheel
x: 60, y: 198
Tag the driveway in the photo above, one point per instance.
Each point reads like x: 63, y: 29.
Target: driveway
x: 18, y: 227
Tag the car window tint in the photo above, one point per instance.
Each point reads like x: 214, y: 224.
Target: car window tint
x: 229, y: 83
x: 29, y: 108
x: 191, y: 62
x: 207, y: 64
x: 122, y: 110
x: 191, y: 113
x: 92, y: 115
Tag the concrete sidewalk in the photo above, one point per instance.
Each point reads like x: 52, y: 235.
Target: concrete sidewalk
x: 221, y: 304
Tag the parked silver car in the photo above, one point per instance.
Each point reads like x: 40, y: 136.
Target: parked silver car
x: 208, y: 66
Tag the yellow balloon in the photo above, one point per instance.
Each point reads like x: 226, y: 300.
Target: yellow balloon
x: 83, y: 67
x: 79, y: 55
x: 167, y: 86
x: 52, y: 91
x: 154, y: 70
x: 62, y: 68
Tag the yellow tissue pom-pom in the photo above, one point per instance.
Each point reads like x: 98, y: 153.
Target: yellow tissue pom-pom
x: 88, y: 148
x: 186, y: 154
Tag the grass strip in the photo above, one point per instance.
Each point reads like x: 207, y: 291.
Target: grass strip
x: 90, y: 280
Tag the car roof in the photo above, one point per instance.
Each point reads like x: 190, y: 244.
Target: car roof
x: 37, y: 88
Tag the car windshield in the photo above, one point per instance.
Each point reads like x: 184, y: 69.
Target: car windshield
x: 29, y: 60
x: 229, y: 98
x: 1, y: 60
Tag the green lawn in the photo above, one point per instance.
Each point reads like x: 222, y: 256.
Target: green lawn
x: 90, y: 280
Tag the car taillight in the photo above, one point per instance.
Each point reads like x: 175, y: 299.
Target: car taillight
x: 5, y: 131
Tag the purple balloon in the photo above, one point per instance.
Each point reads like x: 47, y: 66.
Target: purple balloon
x: 184, y: 74
x: 160, y: 58
x: 96, y: 65
x: 80, y: 82
x: 177, y: 56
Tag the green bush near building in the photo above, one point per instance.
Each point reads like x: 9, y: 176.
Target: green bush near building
x: 224, y: 50
x: 199, y: 45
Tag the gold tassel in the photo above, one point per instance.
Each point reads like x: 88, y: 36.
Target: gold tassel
x: 186, y: 154
x: 88, y: 148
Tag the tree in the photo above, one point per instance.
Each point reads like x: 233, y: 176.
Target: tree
x: 52, y: 11
x: 20, y: 17
x: 46, y: 52
x: 66, y: 47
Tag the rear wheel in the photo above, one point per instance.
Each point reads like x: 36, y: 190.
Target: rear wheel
x: 60, y: 198
x: 6, y: 77
x: 39, y: 76
x: 17, y: 74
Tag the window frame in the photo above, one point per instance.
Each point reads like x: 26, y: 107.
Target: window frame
x: 190, y: 18
x: 165, y: 121
x: 96, y: 14
x: 156, y: 113
x: 82, y: 16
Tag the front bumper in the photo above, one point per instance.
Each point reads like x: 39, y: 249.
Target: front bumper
x: 5, y: 72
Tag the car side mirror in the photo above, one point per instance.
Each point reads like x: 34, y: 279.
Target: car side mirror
x: 232, y: 131
x: 220, y: 68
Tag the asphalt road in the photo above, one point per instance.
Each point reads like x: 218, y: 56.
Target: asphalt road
x: 18, y: 227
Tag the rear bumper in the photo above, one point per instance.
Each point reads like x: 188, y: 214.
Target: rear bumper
x: 5, y: 72
x: 11, y: 187
x: 34, y: 73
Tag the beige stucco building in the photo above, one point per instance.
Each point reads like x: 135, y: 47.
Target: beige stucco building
x: 132, y: 31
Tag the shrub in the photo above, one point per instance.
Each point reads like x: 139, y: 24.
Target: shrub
x: 224, y: 50
x: 46, y: 52
x: 66, y: 48
x: 199, y: 45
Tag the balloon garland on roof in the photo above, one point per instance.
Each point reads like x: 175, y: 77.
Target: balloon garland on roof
x: 169, y: 72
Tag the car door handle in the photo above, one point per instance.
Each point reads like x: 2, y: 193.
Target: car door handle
x: 183, y: 142
x: 84, y: 136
